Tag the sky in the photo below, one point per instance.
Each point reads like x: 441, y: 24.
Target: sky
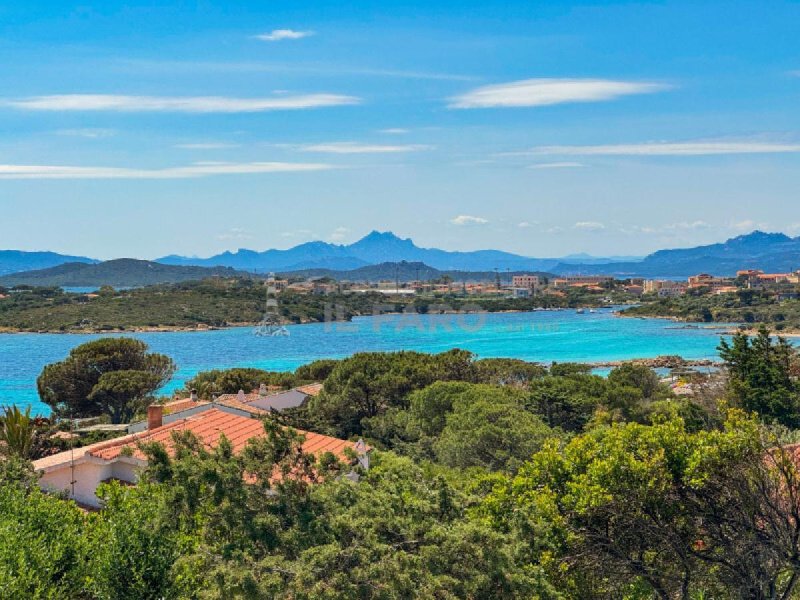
x: 544, y: 128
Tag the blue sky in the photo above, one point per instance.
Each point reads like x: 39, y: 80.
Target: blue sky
x: 543, y: 128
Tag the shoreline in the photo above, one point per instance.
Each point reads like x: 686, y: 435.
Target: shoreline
x: 727, y: 328
x: 199, y: 328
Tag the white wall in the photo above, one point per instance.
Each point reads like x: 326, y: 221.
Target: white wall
x: 88, y: 475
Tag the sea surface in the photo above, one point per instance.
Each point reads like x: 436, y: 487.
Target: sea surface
x: 544, y: 336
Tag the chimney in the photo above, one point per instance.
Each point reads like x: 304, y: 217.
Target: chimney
x: 240, y: 396
x: 262, y: 390
x: 194, y: 395
x: 155, y: 416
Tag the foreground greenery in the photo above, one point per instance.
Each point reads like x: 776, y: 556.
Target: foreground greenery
x: 219, y: 302
x: 490, y: 478
x: 744, y: 306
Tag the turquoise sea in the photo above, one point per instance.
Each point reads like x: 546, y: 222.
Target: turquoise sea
x: 537, y: 336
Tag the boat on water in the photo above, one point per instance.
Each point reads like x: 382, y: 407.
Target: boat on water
x: 580, y: 311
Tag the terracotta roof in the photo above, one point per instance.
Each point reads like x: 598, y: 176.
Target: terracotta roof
x: 241, y: 396
x: 182, y: 404
x: 312, y: 389
x: 232, y: 401
x: 208, y: 426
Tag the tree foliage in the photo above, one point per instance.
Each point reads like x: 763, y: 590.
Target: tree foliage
x: 762, y: 376
x: 109, y: 376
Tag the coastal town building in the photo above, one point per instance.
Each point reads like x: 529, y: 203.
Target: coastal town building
x: 78, y: 472
x: 582, y: 281
x: 704, y: 280
x: 530, y: 282
x: 665, y: 288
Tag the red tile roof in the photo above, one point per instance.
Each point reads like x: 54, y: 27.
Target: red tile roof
x: 208, y: 426
x: 231, y: 401
x: 181, y: 405
x: 312, y: 389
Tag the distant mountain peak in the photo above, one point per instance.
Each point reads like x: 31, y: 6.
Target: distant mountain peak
x: 381, y: 237
x: 759, y: 236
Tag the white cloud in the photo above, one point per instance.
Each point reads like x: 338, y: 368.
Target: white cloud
x: 546, y: 92
x: 687, y: 225
x: 339, y: 234
x: 666, y: 149
x: 87, y: 133
x: 277, y: 35
x: 357, y: 148
x: 206, y: 146
x: 524, y: 225
x: 468, y: 220
x: 306, y: 233
x: 556, y: 165
x: 589, y: 226
x: 235, y: 233
x: 195, y: 104
x: 749, y: 225
x: 394, y: 131
x: 186, y: 172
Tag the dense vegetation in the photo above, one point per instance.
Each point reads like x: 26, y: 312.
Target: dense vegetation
x: 744, y: 306
x: 122, y: 272
x: 219, y: 302
x: 490, y: 478
x: 209, y: 303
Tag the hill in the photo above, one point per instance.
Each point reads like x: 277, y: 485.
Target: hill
x: 770, y: 252
x: 404, y: 271
x: 122, y: 272
x: 16, y: 261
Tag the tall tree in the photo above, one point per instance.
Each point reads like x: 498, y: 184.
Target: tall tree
x: 110, y: 376
x: 762, y: 376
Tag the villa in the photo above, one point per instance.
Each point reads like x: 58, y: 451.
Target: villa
x: 78, y: 472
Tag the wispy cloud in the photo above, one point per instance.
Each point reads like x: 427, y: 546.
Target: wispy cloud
x: 394, y: 131
x: 277, y: 35
x: 687, y: 225
x: 665, y: 149
x: 546, y: 92
x: 196, y: 104
x: 235, y: 233
x: 589, y: 226
x: 87, y: 132
x: 749, y: 225
x: 206, y: 146
x: 462, y: 220
x: 325, y: 69
x: 339, y: 234
x: 556, y: 165
x: 358, y: 148
x: 185, y: 172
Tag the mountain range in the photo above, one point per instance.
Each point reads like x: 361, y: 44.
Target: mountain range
x: 15, y: 261
x: 376, y: 248
x: 121, y: 272
x: 770, y: 252
x: 404, y: 271
x: 774, y: 252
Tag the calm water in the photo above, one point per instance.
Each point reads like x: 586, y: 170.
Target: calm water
x: 539, y: 336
